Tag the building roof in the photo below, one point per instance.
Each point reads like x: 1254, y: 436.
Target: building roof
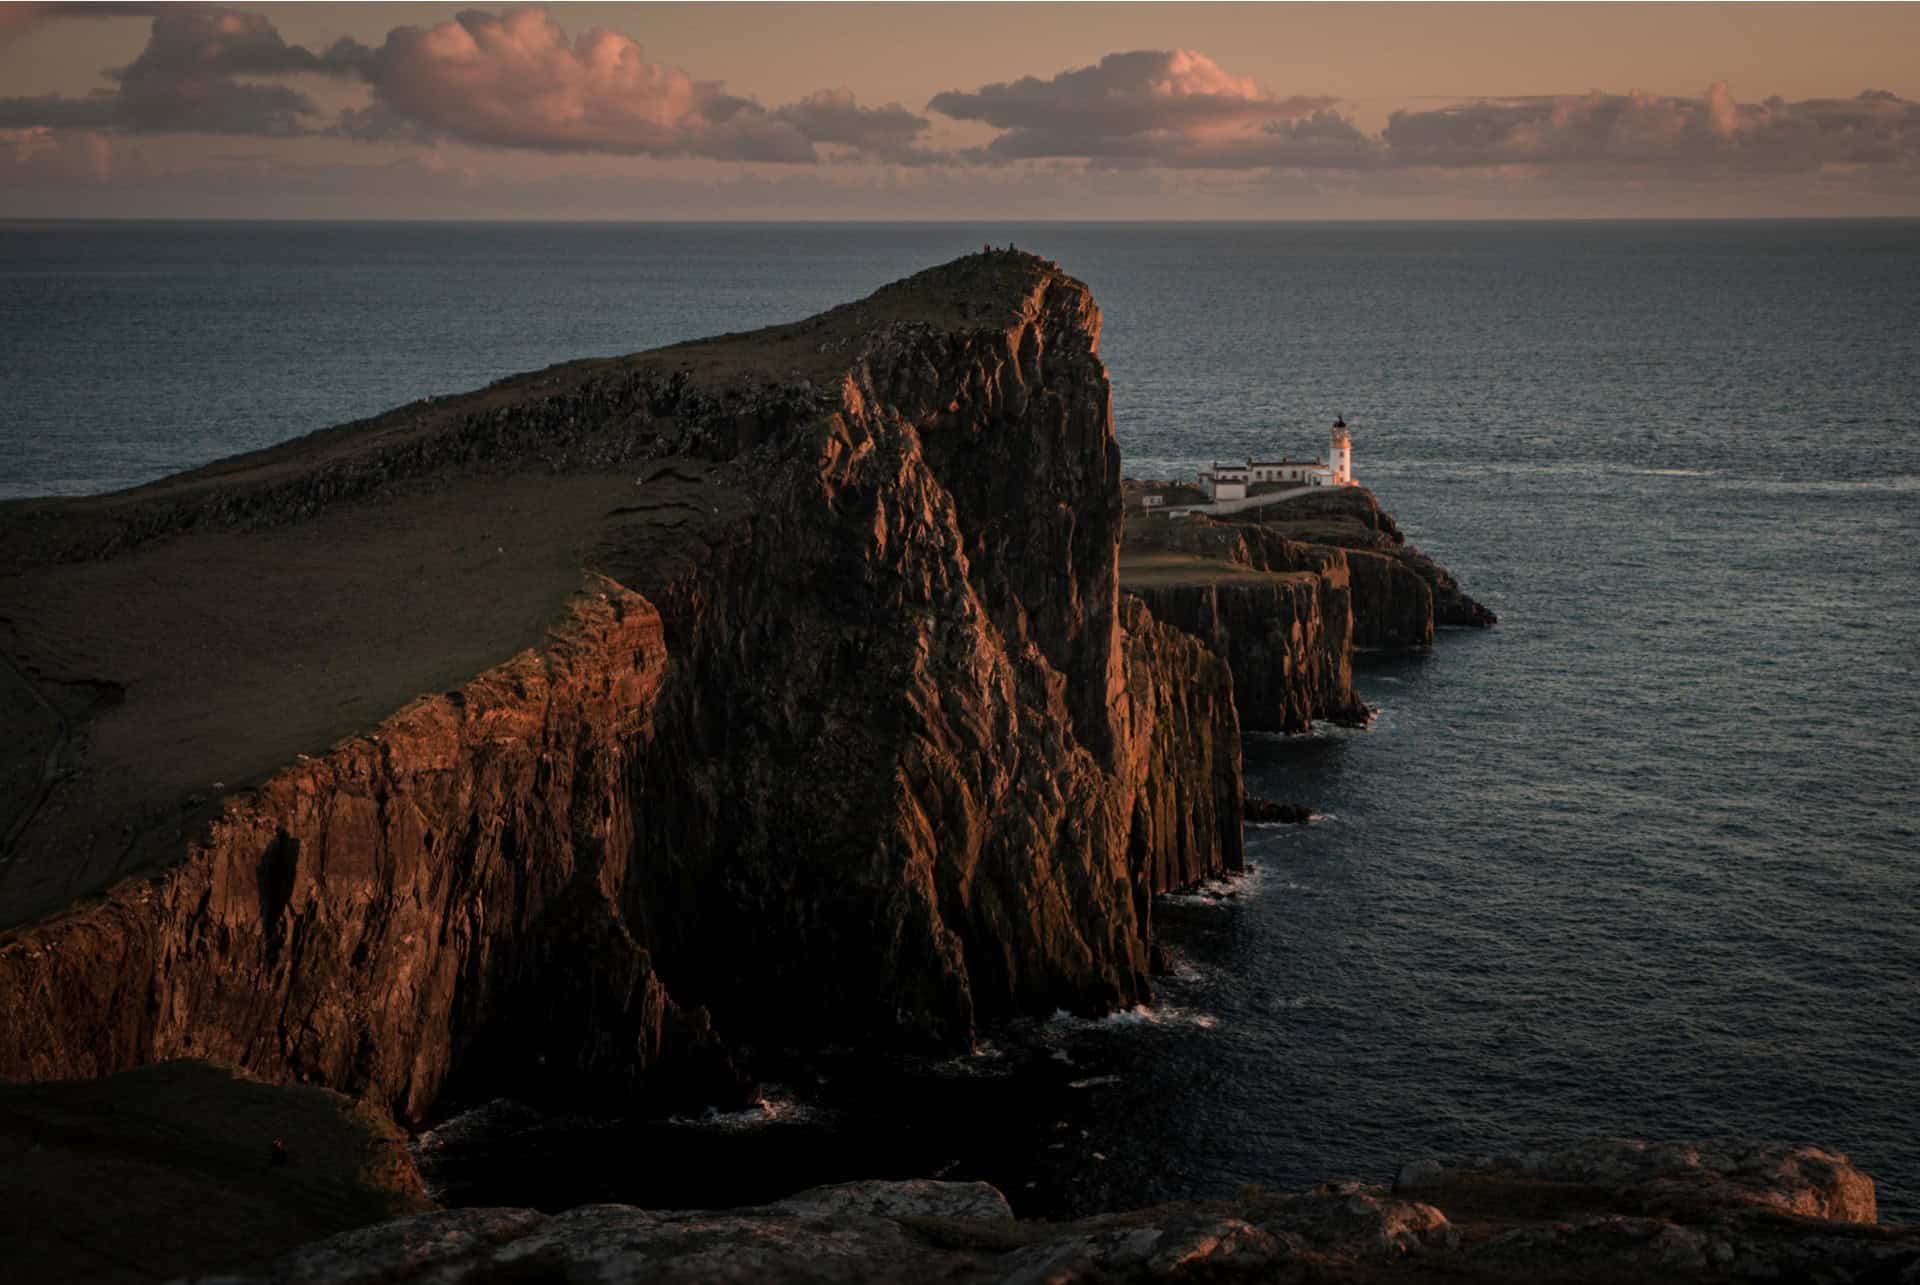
x: 1283, y: 460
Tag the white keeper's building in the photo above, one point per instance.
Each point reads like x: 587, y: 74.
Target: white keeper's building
x: 1233, y: 481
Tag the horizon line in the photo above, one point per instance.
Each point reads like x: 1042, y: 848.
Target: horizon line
x: 643, y: 221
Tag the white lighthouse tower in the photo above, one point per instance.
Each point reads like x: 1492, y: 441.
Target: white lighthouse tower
x: 1341, y: 454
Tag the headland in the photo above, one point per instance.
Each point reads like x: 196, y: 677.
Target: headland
x: 572, y: 738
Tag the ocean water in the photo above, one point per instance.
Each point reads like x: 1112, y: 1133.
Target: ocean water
x: 1644, y: 860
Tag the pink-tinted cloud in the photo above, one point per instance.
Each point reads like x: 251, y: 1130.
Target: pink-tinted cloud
x: 513, y: 79
x: 1636, y: 131
x: 516, y: 80
x: 1168, y: 107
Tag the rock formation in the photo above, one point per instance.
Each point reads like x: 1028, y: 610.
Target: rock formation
x: 1602, y: 1211
x: 1352, y: 519
x: 773, y: 687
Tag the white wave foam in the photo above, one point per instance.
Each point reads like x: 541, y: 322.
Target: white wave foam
x: 1181, y: 969
x: 1093, y: 1082
x: 502, y: 1115
x: 775, y: 1106
x: 986, y: 1059
x: 1139, y: 1016
x: 1219, y: 892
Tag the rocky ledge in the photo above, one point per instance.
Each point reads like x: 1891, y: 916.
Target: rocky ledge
x: 1601, y: 1211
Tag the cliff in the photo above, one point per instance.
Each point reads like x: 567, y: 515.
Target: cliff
x: 566, y: 735
x: 1287, y: 639
x: 1282, y: 613
x: 1350, y: 517
x: 1286, y: 594
x: 1189, y: 800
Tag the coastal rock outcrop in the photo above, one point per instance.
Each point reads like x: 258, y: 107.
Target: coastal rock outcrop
x: 1287, y: 639
x: 1601, y: 1211
x: 1350, y: 517
x: 869, y: 1231
x: 1279, y: 611
x: 845, y: 737
x: 1268, y: 812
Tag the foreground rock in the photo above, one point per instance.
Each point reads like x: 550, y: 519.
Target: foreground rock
x: 876, y: 1231
x: 1602, y: 1211
x: 183, y: 1168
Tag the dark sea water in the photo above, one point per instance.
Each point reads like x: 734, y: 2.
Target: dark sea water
x: 1644, y: 860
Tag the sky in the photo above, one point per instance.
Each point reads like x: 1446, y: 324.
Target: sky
x: 959, y: 111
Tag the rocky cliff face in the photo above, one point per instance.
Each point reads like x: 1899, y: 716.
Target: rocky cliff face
x: 1283, y: 613
x: 852, y: 744
x: 369, y: 917
x: 1393, y: 606
x: 1287, y: 639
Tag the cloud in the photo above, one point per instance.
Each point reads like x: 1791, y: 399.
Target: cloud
x: 512, y: 80
x: 205, y: 69
x: 888, y: 133
x: 53, y: 111
x: 1173, y: 107
x: 1179, y: 109
x: 1649, y: 132
x: 17, y: 19
x: 515, y: 80
x: 40, y: 155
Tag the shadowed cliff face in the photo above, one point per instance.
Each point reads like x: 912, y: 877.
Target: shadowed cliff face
x: 843, y: 739
x: 1283, y: 614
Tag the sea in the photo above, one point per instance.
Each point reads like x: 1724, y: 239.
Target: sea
x: 1644, y: 860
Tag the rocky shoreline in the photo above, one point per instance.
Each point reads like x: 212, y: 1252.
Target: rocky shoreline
x: 1607, y: 1210
x: 576, y: 738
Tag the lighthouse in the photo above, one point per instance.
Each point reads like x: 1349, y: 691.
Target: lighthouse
x: 1341, y: 454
